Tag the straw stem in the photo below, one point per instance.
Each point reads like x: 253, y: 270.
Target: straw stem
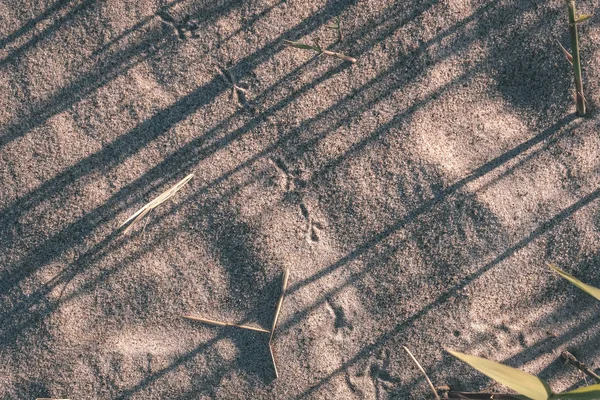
x: 579, y: 99
x: 219, y: 323
x: 423, y: 371
x: 280, y: 302
x: 139, y: 214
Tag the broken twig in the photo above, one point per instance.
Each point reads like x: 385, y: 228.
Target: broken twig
x: 570, y: 358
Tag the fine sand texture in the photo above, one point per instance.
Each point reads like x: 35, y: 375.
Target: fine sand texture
x: 415, y: 196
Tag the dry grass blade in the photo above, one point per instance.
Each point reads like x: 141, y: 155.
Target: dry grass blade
x: 286, y: 274
x: 219, y: 323
x: 340, y: 56
x: 521, y: 382
x: 577, y: 71
x: 273, y: 359
x: 139, y: 214
x: 592, y: 291
x: 423, y: 371
x: 566, y: 53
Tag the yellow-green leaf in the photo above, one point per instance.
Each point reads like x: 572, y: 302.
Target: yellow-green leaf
x: 583, y: 17
x: 335, y: 26
x: 592, y: 291
x: 519, y: 381
x: 584, y: 393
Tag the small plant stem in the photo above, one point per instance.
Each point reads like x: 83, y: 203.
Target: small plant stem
x: 570, y: 358
x: 579, y: 99
x: 424, y: 373
x: 339, y: 55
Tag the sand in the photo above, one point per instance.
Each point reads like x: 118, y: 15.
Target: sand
x: 415, y: 196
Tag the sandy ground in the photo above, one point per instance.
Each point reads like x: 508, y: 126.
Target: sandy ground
x: 415, y: 196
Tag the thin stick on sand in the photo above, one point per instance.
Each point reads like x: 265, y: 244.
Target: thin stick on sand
x: 576, y: 61
x: 219, y: 323
x: 139, y: 214
x: 423, y: 371
x: 286, y: 274
x: 284, y: 284
x: 273, y: 359
x: 570, y: 358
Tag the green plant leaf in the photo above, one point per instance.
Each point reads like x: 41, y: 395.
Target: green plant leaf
x: 592, y: 291
x: 583, y: 17
x: 519, y: 381
x: 584, y: 393
x: 335, y: 26
x: 300, y: 45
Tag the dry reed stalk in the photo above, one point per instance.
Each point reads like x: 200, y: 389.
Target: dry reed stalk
x: 286, y: 274
x: 273, y: 359
x: 423, y: 371
x: 139, y: 214
x: 219, y: 323
x: 576, y: 61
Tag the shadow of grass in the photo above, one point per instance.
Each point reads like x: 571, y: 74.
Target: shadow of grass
x: 189, y: 156
x: 32, y: 23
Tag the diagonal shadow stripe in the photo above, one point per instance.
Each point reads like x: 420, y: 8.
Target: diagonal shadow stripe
x: 30, y: 25
x: 448, y: 294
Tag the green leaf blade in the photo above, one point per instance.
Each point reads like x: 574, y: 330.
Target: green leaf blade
x: 592, y: 291
x: 584, y: 393
x: 300, y: 45
x: 583, y: 17
x: 519, y: 381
